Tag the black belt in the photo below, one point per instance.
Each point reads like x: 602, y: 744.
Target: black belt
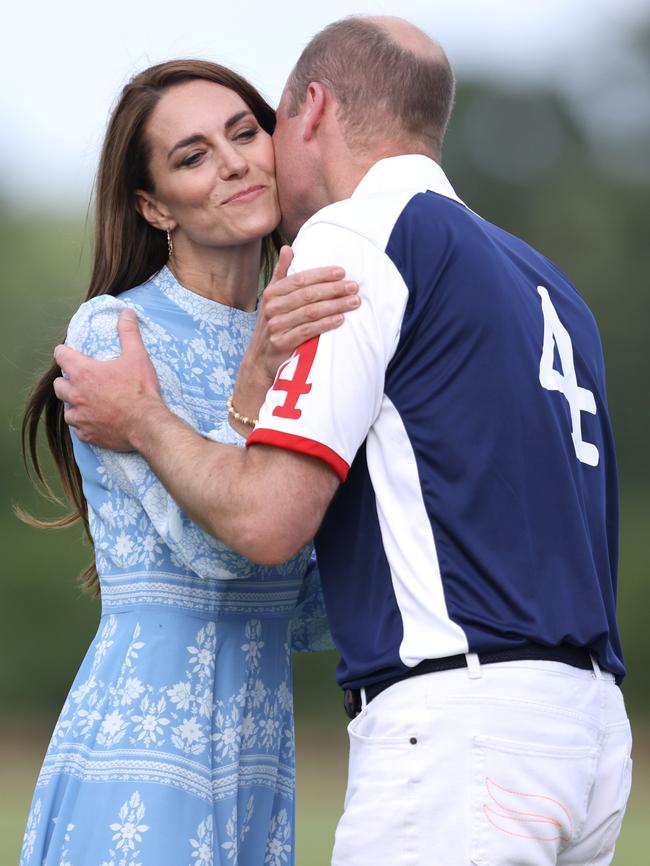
x: 577, y: 657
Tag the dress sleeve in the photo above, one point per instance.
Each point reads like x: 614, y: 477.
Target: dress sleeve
x: 93, y: 331
x: 310, y: 631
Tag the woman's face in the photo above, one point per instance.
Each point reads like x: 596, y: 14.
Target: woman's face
x: 212, y: 168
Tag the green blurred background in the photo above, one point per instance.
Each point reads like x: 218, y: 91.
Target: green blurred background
x: 575, y: 185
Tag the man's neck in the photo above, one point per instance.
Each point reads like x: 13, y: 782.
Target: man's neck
x: 344, y: 173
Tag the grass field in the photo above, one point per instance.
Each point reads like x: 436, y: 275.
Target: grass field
x: 321, y: 782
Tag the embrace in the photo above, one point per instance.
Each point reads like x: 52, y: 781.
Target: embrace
x: 428, y: 484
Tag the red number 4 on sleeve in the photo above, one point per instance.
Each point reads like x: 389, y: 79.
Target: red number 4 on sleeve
x: 297, y: 385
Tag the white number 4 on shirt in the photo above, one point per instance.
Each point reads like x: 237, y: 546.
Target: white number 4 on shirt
x: 579, y: 399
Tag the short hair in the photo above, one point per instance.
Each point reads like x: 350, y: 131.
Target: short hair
x: 383, y: 89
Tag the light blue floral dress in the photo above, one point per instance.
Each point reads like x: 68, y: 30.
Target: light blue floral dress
x: 175, y: 746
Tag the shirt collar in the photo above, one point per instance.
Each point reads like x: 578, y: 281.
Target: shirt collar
x: 408, y: 171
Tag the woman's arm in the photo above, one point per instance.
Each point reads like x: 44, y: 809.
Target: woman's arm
x: 293, y: 310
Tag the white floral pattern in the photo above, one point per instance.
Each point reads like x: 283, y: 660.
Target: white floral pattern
x: 279, y: 846
x: 29, y: 839
x: 235, y: 841
x: 203, y: 845
x: 177, y: 734
x: 129, y: 829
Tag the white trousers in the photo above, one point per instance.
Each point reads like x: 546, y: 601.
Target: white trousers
x: 521, y: 763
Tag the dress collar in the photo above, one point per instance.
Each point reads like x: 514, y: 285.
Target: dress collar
x: 196, y: 305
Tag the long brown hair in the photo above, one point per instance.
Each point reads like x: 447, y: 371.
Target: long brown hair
x: 127, y: 252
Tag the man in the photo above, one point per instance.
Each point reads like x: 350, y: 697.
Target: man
x: 469, y: 559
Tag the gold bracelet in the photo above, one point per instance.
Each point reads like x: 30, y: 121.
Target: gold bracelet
x: 250, y: 422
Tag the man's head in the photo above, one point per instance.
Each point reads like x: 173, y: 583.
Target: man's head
x: 362, y: 89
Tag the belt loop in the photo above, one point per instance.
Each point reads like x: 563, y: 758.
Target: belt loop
x: 473, y: 666
x: 597, y: 671
x: 364, y: 702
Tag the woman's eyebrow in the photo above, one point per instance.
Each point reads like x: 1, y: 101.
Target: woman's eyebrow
x: 184, y: 142
x: 236, y: 118
x: 197, y: 137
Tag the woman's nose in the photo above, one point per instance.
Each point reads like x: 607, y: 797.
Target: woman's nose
x: 231, y: 163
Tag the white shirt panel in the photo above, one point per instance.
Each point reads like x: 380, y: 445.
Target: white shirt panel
x: 409, y: 542
x: 346, y: 379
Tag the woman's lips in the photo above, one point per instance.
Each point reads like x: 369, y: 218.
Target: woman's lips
x: 246, y: 195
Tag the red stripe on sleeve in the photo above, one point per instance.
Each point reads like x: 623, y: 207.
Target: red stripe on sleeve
x: 301, y: 445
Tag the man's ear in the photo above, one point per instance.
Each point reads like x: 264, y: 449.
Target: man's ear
x: 317, y: 100
x: 150, y: 208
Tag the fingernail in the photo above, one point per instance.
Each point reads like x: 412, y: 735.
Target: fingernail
x: 351, y: 287
x: 354, y: 301
x: 338, y: 273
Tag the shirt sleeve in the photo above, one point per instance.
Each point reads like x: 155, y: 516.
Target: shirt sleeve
x: 327, y: 395
x: 93, y: 331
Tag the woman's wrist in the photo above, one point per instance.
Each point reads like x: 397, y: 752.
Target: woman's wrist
x: 248, y: 396
x: 237, y: 416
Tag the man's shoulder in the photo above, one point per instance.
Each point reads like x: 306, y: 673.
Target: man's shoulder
x: 375, y: 216
x: 369, y: 218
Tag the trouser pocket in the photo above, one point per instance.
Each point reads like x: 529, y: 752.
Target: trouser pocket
x: 529, y: 802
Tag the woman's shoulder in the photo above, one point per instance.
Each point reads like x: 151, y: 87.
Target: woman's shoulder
x: 95, y: 322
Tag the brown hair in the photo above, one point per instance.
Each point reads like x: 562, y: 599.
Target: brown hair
x: 127, y: 252
x: 381, y: 87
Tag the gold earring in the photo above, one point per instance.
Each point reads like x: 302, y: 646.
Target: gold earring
x: 170, y: 244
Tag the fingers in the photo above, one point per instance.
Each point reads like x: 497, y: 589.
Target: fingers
x: 68, y: 359
x: 130, y: 341
x: 312, y: 313
x: 286, y: 285
x: 63, y: 389
x: 287, y: 332
x: 282, y: 267
x: 129, y: 333
x: 280, y: 305
x: 69, y: 416
x: 286, y: 342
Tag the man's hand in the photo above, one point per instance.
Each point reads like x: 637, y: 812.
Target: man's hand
x: 108, y: 401
x: 112, y: 403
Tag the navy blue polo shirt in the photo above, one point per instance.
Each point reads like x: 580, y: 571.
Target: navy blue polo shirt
x: 464, y: 407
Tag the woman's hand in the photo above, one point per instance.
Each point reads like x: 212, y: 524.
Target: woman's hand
x: 296, y: 308
x: 293, y: 310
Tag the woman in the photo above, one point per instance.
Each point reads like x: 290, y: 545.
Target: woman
x: 175, y: 745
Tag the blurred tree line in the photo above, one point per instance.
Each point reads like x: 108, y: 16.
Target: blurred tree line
x: 570, y: 175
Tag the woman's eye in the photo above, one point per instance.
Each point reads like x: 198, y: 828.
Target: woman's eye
x: 192, y: 159
x: 247, y: 134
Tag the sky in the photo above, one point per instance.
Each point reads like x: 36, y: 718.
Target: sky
x: 62, y: 64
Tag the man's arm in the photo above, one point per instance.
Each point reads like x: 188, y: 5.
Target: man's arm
x: 116, y: 404
x: 263, y: 502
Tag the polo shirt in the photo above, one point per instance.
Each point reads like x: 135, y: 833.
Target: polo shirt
x: 463, y: 405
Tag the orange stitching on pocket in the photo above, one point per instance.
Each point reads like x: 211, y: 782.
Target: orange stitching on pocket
x: 509, y: 813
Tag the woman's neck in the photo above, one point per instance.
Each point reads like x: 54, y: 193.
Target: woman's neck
x: 227, y: 275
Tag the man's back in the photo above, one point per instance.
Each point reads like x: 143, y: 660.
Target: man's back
x: 480, y: 513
